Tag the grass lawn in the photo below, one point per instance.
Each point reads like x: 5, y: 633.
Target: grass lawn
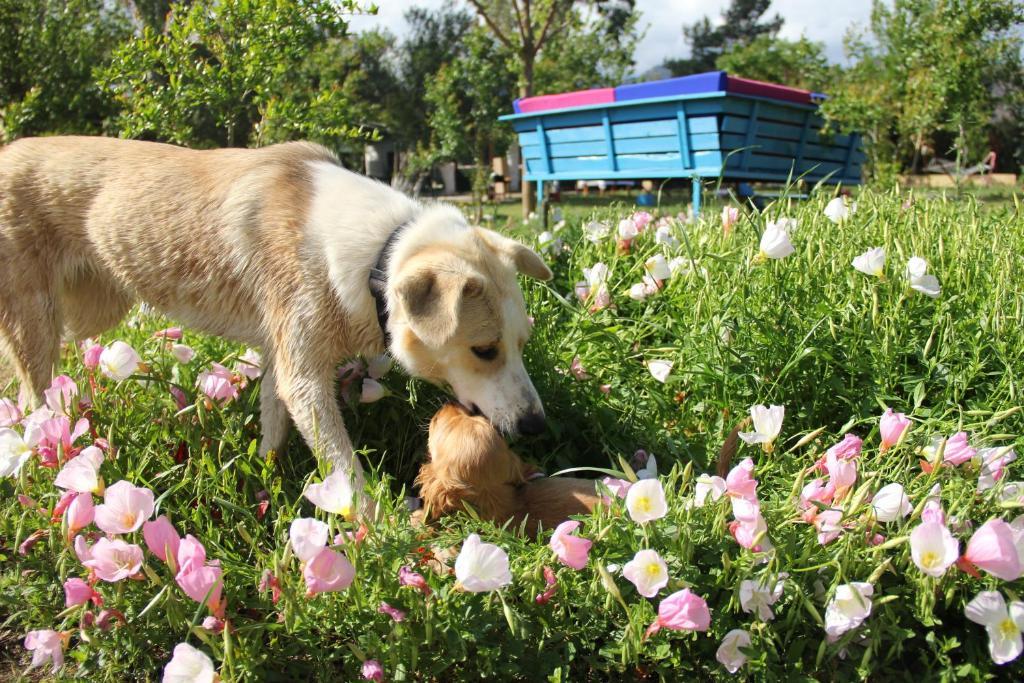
x: 834, y: 346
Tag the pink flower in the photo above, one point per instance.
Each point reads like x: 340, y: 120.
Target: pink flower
x: 407, y: 577
x: 549, y: 592
x: 76, y: 592
x: 307, y: 537
x: 842, y: 473
x: 846, y: 449
x: 217, y: 383
x: 992, y: 548
x: 249, y: 364
x: 55, y: 434
x: 828, y: 524
x: 933, y: 548
x: 393, y: 612
x: 641, y: 219
x: 162, y: 538
x: 372, y: 670
x: 180, y: 399
x: 91, y: 352
x: 730, y: 216
x: 10, y: 413
x: 747, y: 531
x: 620, y: 487
x: 740, y: 482
x: 815, y: 490
x: 647, y: 571
x: 125, y: 507
x: 213, y: 624
x: 681, y: 611
x: 577, y: 371
x: 46, y: 646
x: 957, y: 451
x: 82, y: 549
x: 182, y: 353
x: 114, y: 560
x: 80, y: 513
x: 892, y: 425
x: 571, y: 550
x: 328, y: 571
x: 202, y: 584
x: 82, y: 473
x: 59, y: 397
x: 171, y: 333
x: 372, y: 391
x: 191, y: 554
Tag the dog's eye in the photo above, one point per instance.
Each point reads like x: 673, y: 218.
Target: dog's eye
x: 485, y: 352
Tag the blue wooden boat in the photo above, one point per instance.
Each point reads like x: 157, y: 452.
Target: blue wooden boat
x: 699, y: 127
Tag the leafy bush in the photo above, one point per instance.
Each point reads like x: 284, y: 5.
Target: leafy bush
x: 832, y: 344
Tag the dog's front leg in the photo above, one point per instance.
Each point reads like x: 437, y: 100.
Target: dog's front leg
x: 309, y: 394
x: 273, y: 413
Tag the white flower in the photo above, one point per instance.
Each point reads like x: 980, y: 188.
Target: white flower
x: 1012, y: 492
x: 81, y: 473
x: 308, y: 537
x: 549, y: 243
x: 13, y: 452
x: 756, y: 596
x: 660, y: 369
x: 767, y: 424
x: 118, y: 361
x: 378, y: 366
x: 707, y: 484
x: 848, y: 609
x: 596, y: 275
x: 933, y: 548
x: 645, y: 501
x: 663, y: 235
x: 871, y: 262
x: 189, y: 665
x: 788, y: 224
x: 1003, y: 625
x: 729, y: 651
x: 647, y: 571
x: 891, y: 503
x: 658, y: 268
x: 182, y: 353
x: 649, y: 470
x: 481, y: 567
x: 920, y: 280
x: 992, y: 461
x: 775, y: 242
x: 372, y: 391
x: 638, y: 292
x: 334, y: 494
x: 839, y: 209
x: 627, y: 229
x: 596, y: 231
x: 249, y: 363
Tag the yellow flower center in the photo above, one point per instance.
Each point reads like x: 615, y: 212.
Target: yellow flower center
x: 653, y: 570
x: 930, y: 559
x: 643, y: 504
x: 128, y: 520
x: 1007, y: 628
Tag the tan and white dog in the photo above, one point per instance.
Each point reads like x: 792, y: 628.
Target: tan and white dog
x: 271, y: 247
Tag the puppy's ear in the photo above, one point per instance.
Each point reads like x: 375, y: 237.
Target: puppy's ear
x: 526, y: 260
x: 432, y: 300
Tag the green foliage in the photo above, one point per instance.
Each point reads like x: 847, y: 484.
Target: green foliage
x: 931, y: 72
x: 808, y: 331
x: 224, y: 74
x: 48, y: 51
x: 797, y: 63
x: 740, y: 25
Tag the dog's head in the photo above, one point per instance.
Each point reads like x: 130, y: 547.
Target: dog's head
x: 469, y: 461
x: 457, y: 316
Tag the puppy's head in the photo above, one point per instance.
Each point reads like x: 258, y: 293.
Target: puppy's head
x: 469, y: 461
x: 458, y: 316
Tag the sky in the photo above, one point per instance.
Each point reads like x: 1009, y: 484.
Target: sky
x: 824, y: 21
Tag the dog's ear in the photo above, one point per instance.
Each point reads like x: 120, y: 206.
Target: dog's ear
x: 526, y: 260
x: 432, y: 300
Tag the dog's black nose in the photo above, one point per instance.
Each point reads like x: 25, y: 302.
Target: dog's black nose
x: 530, y: 424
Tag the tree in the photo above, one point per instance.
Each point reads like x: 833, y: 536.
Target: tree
x: 467, y: 96
x: 741, y: 24
x: 48, y: 51
x: 798, y: 63
x: 931, y: 69
x: 525, y: 27
x: 224, y: 74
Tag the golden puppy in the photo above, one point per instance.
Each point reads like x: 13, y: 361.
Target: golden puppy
x: 471, y: 463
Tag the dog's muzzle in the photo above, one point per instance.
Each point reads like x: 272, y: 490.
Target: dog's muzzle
x: 531, y: 424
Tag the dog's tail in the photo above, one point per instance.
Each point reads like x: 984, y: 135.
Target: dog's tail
x: 728, y: 450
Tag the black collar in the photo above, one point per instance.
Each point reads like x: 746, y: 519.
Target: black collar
x: 379, y: 282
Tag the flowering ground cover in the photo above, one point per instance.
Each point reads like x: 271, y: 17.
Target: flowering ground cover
x: 865, y: 525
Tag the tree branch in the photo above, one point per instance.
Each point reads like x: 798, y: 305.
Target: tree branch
x: 555, y: 10
x: 493, y: 26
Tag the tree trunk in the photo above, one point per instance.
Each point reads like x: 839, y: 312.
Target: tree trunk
x: 526, y: 90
